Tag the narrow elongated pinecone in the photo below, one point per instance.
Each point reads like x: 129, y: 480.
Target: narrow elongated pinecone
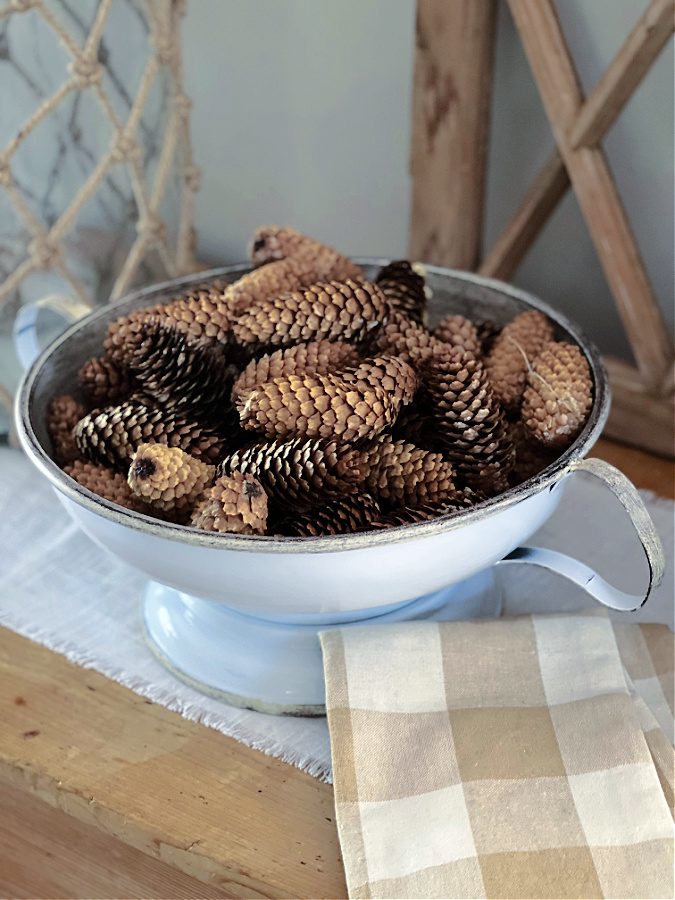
x: 461, y: 498
x: 459, y: 331
x: 406, y: 475
x: 342, y: 515
x: 315, y: 357
x: 168, y: 478
x: 106, y: 483
x: 112, y: 435
x: 267, y: 283
x: 404, y: 288
x: 407, y: 339
x: 513, y: 352
x: 469, y: 420
x: 558, y: 396
x: 63, y: 414
x: 104, y: 381
x: 189, y: 380
x: 300, y: 472
x: 348, y: 407
x: 122, y: 331
x: 333, y: 310
x: 236, y: 504
x: 203, y: 314
x: 272, y: 243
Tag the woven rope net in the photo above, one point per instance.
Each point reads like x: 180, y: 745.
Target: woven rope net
x: 86, y: 71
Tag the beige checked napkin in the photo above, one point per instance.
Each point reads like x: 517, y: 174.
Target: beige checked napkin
x: 527, y: 757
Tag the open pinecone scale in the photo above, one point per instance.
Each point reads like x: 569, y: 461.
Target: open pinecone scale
x: 304, y: 400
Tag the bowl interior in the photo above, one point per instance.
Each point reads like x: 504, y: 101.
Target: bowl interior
x: 55, y: 371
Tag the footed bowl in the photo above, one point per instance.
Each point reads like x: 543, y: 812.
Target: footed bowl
x: 238, y: 616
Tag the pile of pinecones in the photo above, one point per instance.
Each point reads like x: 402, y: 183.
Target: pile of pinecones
x: 304, y: 400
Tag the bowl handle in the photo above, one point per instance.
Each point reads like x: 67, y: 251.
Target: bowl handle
x: 25, y: 333
x: 583, y: 575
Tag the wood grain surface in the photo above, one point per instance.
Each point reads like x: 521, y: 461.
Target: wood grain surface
x: 103, y: 793
x: 451, y: 106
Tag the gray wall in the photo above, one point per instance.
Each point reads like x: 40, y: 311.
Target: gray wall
x: 302, y: 111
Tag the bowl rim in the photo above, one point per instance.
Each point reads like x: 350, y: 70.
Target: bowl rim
x: 544, y: 480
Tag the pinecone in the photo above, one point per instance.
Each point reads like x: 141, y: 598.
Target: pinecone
x: 300, y: 473
x: 389, y: 373
x: 104, y: 382
x: 236, y: 503
x: 513, y: 351
x: 353, y: 405
x: 267, y: 283
x: 469, y: 421
x: 407, y: 339
x: 124, y: 329
x: 404, y: 288
x: 103, y: 481
x: 407, y: 515
x: 189, y: 380
x: 63, y: 414
x: 531, y: 457
x: 111, y: 435
x: 333, y: 310
x: 406, y: 475
x: 316, y: 357
x: 558, y: 396
x: 168, y: 478
x: 342, y: 515
x: 412, y: 424
x: 458, y: 331
x: 202, y: 314
x: 271, y: 243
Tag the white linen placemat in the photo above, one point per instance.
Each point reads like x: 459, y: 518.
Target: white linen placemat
x: 63, y: 591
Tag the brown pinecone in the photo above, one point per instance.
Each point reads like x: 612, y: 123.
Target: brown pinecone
x: 316, y: 357
x: 342, y: 515
x: 63, y: 414
x: 111, y: 435
x: 202, y: 314
x: 187, y: 379
x: 407, y: 515
x: 391, y: 373
x: 353, y: 405
x: 406, y: 475
x: 531, y: 457
x: 458, y: 331
x: 470, y: 424
x: 333, y: 310
x: 558, y: 396
x: 267, y: 283
x: 407, y: 339
x: 404, y: 288
x: 300, y: 472
x: 168, y: 478
x: 104, y: 382
x: 124, y: 329
x: 106, y: 483
x: 271, y: 243
x: 236, y: 504
x: 513, y: 351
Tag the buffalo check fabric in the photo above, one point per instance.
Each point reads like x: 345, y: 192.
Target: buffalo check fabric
x: 529, y: 757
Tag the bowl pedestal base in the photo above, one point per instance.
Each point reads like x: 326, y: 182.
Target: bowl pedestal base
x: 276, y: 666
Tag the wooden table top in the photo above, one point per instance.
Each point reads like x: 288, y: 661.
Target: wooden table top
x: 107, y: 794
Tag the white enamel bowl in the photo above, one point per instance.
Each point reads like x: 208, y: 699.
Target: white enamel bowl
x: 238, y: 615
